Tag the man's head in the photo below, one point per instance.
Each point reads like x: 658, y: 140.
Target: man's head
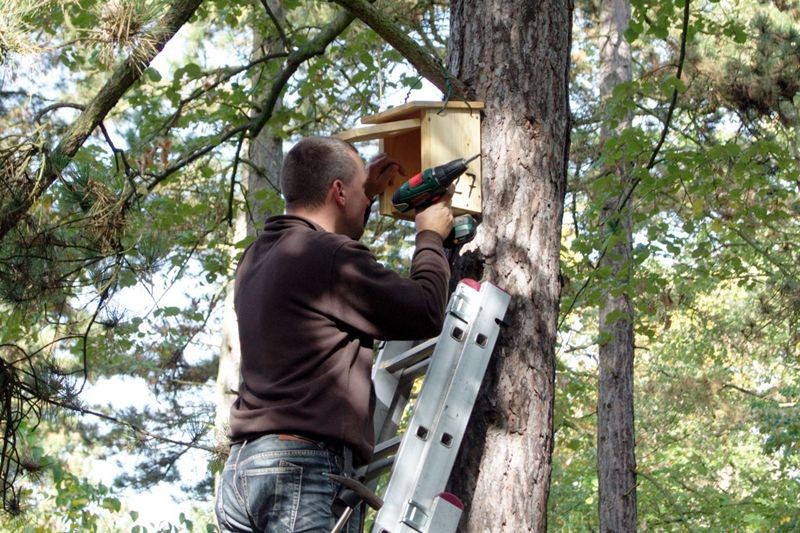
x: 326, y: 175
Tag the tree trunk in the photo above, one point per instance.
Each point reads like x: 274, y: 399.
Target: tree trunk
x: 266, y: 154
x: 514, y: 55
x: 616, y: 462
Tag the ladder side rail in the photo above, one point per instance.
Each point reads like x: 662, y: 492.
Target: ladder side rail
x: 417, y: 438
x: 422, y: 465
x: 387, y: 431
x: 460, y: 398
x: 397, y: 365
x: 388, y: 375
x: 386, y: 427
x: 410, y: 458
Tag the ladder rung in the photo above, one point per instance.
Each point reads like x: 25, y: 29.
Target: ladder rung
x: 411, y: 356
x: 387, y: 447
x: 376, y: 468
x: 413, y: 372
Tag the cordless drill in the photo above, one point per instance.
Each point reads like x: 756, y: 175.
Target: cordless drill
x: 428, y: 187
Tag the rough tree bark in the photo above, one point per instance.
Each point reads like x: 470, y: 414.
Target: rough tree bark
x: 616, y: 461
x: 514, y: 56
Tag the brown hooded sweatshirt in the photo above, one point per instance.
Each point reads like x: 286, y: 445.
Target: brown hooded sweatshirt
x: 309, y: 305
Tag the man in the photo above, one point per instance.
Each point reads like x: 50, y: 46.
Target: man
x: 310, y: 300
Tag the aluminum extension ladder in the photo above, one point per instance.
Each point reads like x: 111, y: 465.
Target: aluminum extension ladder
x: 421, y: 459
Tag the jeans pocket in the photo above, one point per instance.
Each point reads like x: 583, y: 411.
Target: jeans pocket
x: 272, y: 496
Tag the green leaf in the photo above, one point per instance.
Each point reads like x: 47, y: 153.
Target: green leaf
x: 152, y: 74
x: 244, y: 243
x: 739, y: 35
x: 112, y: 504
x: 80, y: 502
x: 736, y: 32
x: 698, y: 207
x: 412, y: 82
x: 170, y: 311
x: 660, y: 31
x: 58, y: 474
x: 671, y: 84
x: 633, y: 31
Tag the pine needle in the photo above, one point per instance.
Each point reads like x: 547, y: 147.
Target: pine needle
x: 14, y: 31
x: 127, y: 28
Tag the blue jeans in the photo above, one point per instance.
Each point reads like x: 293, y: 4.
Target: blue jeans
x: 278, y: 486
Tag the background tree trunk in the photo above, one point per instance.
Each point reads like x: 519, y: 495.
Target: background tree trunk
x: 266, y: 154
x: 265, y: 151
x: 514, y: 55
x: 616, y: 461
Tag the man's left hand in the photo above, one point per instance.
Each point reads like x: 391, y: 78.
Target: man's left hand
x: 380, y: 171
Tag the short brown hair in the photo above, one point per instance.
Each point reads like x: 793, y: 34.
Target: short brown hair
x: 312, y: 165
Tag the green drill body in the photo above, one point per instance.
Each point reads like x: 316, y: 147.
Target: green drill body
x: 428, y: 187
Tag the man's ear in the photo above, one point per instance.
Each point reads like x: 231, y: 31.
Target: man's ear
x: 337, y: 190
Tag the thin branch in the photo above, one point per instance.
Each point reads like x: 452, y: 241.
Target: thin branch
x: 85, y: 337
x: 746, y: 238
x: 670, y: 111
x: 233, y: 179
x: 59, y: 105
x: 760, y: 396
x: 314, y: 47
x: 130, y: 425
x: 261, y: 173
x: 129, y: 172
x: 186, y: 160
x: 277, y: 23
x: 205, y: 89
x: 433, y: 26
x: 212, y: 304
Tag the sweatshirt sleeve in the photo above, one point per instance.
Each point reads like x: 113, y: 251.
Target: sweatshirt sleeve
x: 384, y: 305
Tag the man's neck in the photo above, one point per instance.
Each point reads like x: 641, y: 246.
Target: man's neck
x: 319, y: 216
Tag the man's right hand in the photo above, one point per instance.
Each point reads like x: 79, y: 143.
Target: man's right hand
x: 437, y: 217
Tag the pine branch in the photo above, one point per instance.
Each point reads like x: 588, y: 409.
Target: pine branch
x: 96, y: 110
x: 429, y: 66
x: 133, y: 427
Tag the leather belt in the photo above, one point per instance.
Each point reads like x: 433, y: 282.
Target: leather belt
x: 295, y: 438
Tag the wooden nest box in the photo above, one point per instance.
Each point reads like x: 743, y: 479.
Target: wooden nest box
x: 425, y: 134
